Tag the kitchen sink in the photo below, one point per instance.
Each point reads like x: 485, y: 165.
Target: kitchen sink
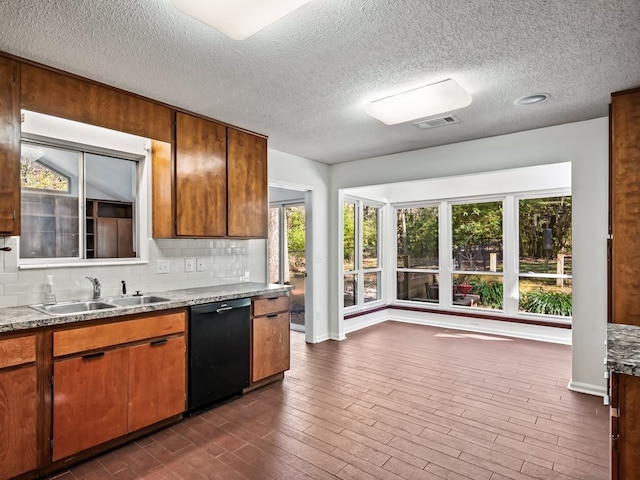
x: 137, y: 300
x: 80, y: 306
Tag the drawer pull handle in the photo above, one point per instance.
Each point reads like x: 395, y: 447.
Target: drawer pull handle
x: 158, y: 342
x: 272, y: 298
x: 93, y: 355
x: 273, y: 315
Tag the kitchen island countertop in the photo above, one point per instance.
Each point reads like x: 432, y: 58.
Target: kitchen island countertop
x: 623, y: 348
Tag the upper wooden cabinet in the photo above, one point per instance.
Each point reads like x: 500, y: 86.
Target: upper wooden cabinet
x: 215, y: 185
x: 625, y: 206
x: 61, y: 95
x: 201, y: 177
x: 9, y: 147
x: 247, y: 185
x: 209, y: 180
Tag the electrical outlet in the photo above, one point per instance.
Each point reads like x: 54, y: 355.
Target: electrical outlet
x: 162, y: 266
x: 200, y: 264
x: 188, y: 264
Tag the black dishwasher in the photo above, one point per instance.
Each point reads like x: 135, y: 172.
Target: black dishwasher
x: 219, y: 351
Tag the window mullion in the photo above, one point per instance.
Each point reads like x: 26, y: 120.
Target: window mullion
x: 446, y: 254
x: 511, y: 254
x: 359, y: 256
x: 82, y: 207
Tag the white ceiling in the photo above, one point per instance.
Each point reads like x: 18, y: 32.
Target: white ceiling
x: 304, y: 80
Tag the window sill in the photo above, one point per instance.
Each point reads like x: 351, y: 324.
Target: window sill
x: 528, y: 319
x: 83, y: 263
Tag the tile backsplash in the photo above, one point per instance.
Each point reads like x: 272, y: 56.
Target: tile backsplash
x: 224, y: 262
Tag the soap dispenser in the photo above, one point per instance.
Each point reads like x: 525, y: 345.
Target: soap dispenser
x: 49, y: 291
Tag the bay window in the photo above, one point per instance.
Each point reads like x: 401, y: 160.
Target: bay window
x: 509, y: 254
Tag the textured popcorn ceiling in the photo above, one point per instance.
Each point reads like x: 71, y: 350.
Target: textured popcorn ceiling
x: 304, y: 80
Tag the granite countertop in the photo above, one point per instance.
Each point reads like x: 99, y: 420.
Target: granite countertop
x: 23, y: 318
x: 623, y: 348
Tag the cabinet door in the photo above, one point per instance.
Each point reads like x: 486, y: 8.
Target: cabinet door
x: 201, y: 177
x: 89, y: 401
x: 18, y: 415
x: 157, y: 382
x: 247, y: 184
x: 625, y: 203
x: 628, y: 427
x: 270, y: 345
x: 9, y: 147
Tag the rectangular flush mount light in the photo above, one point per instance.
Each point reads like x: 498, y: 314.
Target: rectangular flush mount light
x: 238, y: 19
x: 422, y: 102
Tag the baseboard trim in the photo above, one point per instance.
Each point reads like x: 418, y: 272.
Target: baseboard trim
x: 493, y: 327
x: 587, y: 388
x: 321, y: 338
x: 367, y: 320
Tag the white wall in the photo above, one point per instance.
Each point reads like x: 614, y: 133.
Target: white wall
x: 287, y: 170
x: 584, y: 144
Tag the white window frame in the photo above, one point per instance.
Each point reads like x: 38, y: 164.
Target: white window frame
x: 58, y: 132
x: 452, y: 271
x: 359, y: 271
x: 397, y: 207
x: 516, y: 303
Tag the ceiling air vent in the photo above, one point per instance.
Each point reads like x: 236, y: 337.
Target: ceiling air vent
x: 437, y: 122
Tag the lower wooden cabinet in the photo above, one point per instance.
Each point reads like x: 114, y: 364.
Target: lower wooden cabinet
x: 157, y: 381
x: 18, y: 414
x: 89, y: 401
x: 625, y: 427
x: 131, y: 374
x: 270, y: 337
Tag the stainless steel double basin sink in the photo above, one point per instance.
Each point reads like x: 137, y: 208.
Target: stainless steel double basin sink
x: 83, y: 306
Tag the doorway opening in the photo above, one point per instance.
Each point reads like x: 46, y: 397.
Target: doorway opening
x: 287, y: 248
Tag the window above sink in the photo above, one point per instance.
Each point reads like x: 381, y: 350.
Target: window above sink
x: 84, y: 194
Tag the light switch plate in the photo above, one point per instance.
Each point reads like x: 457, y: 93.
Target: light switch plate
x: 162, y: 266
x: 200, y: 264
x: 188, y: 264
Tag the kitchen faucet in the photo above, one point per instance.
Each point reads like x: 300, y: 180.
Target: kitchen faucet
x: 96, y: 287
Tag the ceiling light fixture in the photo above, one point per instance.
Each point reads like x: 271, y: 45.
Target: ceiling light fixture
x: 422, y: 102
x: 238, y: 19
x: 532, y: 99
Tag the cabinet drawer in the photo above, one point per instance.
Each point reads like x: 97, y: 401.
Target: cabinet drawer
x: 17, y: 351
x: 90, y: 338
x: 267, y: 305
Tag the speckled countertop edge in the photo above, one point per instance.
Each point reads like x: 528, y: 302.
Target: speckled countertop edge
x: 14, y: 319
x: 623, y: 348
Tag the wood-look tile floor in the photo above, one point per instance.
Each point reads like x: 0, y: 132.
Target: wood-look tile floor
x: 392, y: 402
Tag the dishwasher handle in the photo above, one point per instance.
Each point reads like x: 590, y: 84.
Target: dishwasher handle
x: 220, y: 307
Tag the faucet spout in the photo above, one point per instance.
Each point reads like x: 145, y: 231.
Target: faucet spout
x: 96, y: 287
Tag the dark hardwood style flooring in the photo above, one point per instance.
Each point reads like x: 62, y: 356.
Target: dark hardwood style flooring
x: 392, y: 402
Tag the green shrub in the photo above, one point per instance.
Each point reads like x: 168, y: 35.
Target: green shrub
x: 548, y: 303
x: 491, y: 293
